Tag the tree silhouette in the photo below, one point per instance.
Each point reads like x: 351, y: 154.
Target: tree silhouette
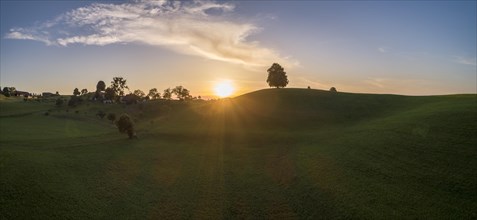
x: 181, y: 93
x: 5, y: 91
x: 9, y: 91
x: 84, y: 91
x: 139, y: 93
x: 125, y: 125
x: 333, y: 89
x: 109, y: 94
x: 118, y: 85
x: 277, y: 77
x: 76, y: 92
x: 153, y: 94
x: 167, y: 94
x: 101, y: 86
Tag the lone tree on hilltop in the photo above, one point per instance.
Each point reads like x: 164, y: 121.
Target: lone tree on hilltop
x: 125, y: 125
x: 333, y: 89
x: 277, y: 77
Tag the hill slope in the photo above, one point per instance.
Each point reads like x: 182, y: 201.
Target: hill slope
x: 275, y: 153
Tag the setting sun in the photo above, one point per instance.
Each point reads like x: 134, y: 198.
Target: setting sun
x: 224, y: 89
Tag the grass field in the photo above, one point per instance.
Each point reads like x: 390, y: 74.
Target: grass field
x: 275, y: 153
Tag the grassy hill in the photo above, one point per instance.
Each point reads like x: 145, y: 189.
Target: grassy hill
x: 275, y: 153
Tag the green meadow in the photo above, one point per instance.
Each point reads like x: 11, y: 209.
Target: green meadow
x: 269, y: 154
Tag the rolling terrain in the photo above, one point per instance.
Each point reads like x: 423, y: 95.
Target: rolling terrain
x: 274, y: 153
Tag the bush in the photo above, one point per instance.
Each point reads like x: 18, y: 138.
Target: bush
x: 333, y: 89
x: 125, y: 125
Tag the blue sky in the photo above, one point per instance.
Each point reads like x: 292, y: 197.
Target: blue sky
x: 401, y: 47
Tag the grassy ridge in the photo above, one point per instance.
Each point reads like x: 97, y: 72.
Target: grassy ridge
x: 287, y: 153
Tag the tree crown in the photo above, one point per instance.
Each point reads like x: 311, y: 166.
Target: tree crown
x: 277, y: 77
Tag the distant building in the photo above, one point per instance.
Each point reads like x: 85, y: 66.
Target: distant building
x: 22, y: 93
x: 48, y: 94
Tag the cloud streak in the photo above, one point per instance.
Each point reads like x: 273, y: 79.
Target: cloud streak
x: 200, y: 28
x: 384, y: 49
x: 466, y: 60
x: 395, y: 85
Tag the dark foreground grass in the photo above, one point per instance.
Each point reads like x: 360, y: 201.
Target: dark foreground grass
x: 278, y: 154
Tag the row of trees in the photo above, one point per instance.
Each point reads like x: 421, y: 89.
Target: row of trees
x: 276, y: 78
x: 119, y: 85
x: 76, y: 92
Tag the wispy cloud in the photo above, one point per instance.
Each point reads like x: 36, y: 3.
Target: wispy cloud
x: 376, y: 82
x: 305, y: 82
x: 384, y: 49
x: 201, y: 28
x: 465, y: 60
x: 394, y: 85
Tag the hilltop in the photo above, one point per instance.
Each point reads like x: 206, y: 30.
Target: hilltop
x: 273, y: 153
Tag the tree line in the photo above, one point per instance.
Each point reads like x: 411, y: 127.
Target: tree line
x: 116, y: 92
x: 277, y: 78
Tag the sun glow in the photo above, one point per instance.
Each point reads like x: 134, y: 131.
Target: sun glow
x: 224, y: 89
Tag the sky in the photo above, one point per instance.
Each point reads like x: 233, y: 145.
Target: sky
x: 397, y: 47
